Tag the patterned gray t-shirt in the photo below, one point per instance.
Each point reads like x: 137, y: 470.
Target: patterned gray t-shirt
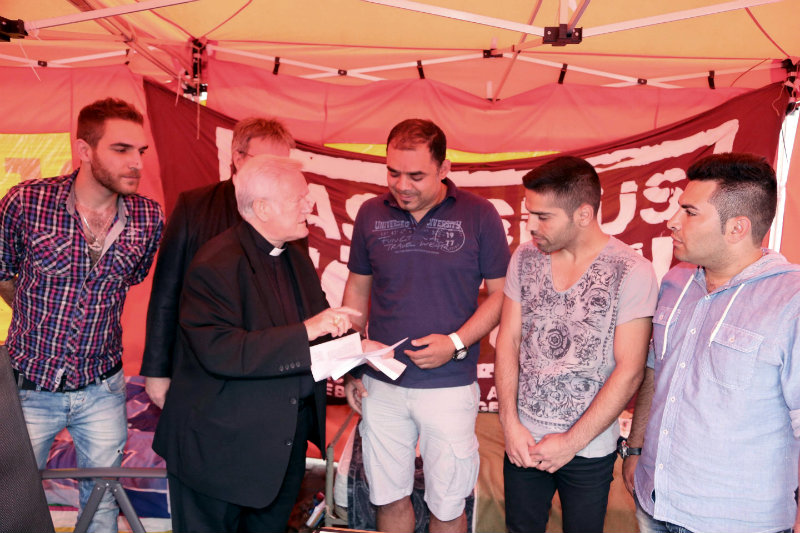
x: 567, y: 345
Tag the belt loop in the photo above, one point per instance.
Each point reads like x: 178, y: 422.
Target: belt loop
x: 20, y: 379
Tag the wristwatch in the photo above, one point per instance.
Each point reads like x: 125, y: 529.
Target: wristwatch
x: 461, y: 351
x: 624, y: 451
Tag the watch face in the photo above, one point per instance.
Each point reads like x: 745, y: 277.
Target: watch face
x: 460, y: 354
x: 622, y: 448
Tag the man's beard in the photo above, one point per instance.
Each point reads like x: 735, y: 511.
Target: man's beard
x: 104, y: 177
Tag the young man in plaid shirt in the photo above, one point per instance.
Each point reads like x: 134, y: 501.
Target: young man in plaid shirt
x: 70, y: 247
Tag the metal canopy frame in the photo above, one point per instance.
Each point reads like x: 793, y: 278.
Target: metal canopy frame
x: 145, y: 5
x: 570, y: 18
x: 112, y: 26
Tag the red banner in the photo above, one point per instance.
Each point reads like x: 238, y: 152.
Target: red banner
x: 642, y: 178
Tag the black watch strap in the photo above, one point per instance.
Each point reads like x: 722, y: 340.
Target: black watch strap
x: 624, y: 451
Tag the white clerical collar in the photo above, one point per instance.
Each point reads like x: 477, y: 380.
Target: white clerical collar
x: 275, y: 252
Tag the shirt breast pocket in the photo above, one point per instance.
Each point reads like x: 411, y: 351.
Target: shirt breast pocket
x: 126, y: 258
x: 51, y: 255
x: 731, y: 358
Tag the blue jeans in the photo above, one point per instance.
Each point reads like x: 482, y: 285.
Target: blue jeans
x: 648, y: 524
x: 96, y: 419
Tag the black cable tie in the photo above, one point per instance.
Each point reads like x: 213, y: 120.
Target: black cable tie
x: 563, y: 74
x: 711, y: 79
x: 641, y: 81
x: 419, y: 69
x: 277, y: 65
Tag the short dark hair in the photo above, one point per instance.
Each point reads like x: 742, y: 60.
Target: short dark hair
x: 92, y: 118
x: 413, y: 132
x: 571, y: 180
x: 746, y: 186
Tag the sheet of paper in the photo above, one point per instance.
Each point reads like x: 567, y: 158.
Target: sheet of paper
x: 337, y: 357
x: 331, y: 357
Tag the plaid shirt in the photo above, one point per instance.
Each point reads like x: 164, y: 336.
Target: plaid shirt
x: 66, y: 312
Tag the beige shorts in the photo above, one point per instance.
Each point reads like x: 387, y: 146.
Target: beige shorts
x: 443, y: 420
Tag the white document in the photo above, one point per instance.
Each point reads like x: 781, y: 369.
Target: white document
x: 337, y: 357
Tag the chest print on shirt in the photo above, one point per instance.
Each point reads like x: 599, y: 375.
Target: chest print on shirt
x: 435, y: 236
x: 563, y: 353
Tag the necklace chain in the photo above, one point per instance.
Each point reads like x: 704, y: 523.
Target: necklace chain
x: 95, y: 244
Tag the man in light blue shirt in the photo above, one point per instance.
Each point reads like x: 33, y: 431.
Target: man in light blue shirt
x: 721, y: 397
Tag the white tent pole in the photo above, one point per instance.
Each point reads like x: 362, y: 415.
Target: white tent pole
x: 413, y: 64
x: 573, y: 21
x: 587, y: 32
x: 570, y: 21
x: 460, y: 15
x: 114, y: 27
x: 23, y: 60
x: 495, y: 94
x: 696, y: 75
x: 334, y: 73
x: 360, y: 72
x: 626, y: 79
x: 673, y: 17
x: 767, y: 66
x: 785, y: 148
x: 563, y: 12
x: 91, y: 57
x: 32, y: 27
x: 324, y: 71
x: 265, y: 57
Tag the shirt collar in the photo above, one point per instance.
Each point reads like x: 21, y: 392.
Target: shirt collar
x: 263, y: 244
x: 753, y: 270
x: 451, y: 192
x: 122, y: 208
x: 65, y: 195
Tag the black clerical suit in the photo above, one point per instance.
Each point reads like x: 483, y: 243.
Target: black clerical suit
x: 241, y: 370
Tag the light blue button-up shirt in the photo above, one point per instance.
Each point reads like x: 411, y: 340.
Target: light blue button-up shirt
x: 721, y: 447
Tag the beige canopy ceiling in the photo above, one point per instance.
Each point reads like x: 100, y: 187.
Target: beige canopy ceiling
x: 624, y: 42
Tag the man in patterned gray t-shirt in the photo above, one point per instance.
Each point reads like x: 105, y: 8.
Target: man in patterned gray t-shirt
x: 571, y: 350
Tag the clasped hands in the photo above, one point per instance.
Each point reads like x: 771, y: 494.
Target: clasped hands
x: 551, y: 452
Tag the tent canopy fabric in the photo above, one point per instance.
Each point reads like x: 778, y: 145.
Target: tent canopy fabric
x: 551, y: 117
x: 354, y: 42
